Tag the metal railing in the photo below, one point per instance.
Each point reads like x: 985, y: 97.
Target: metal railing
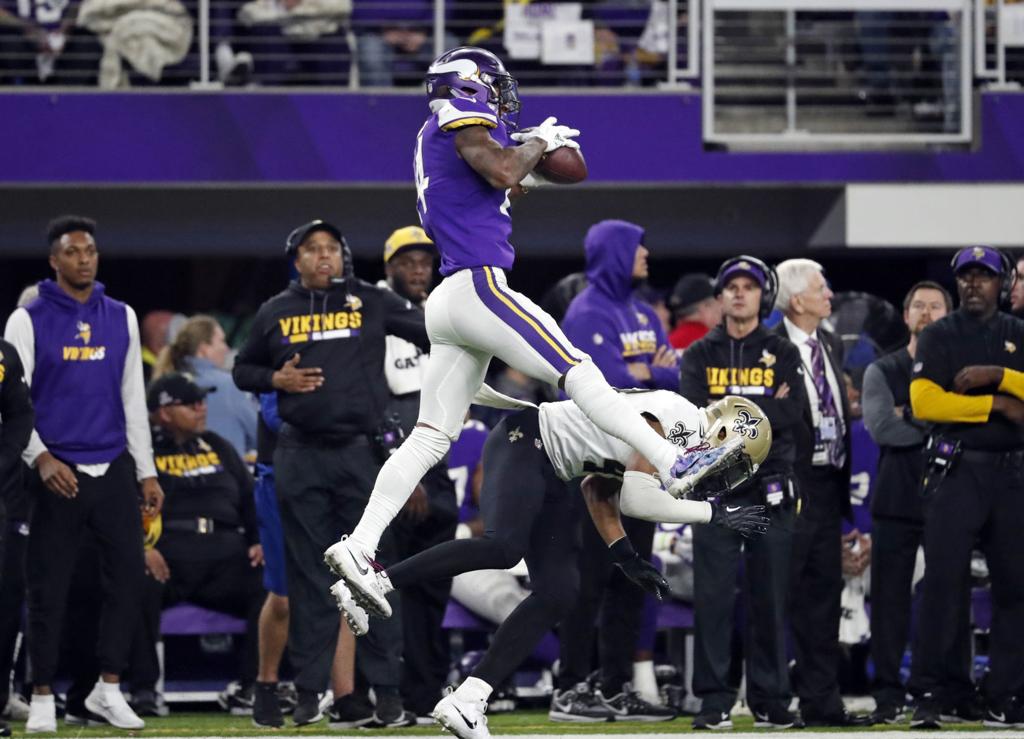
x: 837, y: 72
x: 344, y: 43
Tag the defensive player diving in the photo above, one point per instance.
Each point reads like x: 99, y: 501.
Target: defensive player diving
x: 529, y: 512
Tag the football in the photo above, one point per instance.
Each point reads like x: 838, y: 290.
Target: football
x: 563, y: 166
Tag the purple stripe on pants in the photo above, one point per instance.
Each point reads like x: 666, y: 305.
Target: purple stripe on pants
x: 535, y: 338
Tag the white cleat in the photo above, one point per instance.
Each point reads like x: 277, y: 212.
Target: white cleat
x: 355, y: 615
x: 463, y: 718
x: 693, y: 469
x: 42, y: 715
x: 111, y: 706
x: 365, y: 578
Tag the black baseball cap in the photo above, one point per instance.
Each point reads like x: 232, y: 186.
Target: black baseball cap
x: 174, y: 388
x: 690, y: 290
x: 303, y: 232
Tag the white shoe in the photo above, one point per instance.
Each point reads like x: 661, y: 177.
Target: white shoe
x: 16, y: 708
x: 462, y: 718
x: 42, y: 715
x: 365, y: 578
x: 111, y: 706
x: 355, y: 615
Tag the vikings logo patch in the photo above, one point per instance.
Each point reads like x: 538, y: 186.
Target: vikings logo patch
x: 745, y: 424
x: 84, y: 332
x: 680, y: 435
x: 1010, y: 347
x: 355, y: 302
x: 767, y: 358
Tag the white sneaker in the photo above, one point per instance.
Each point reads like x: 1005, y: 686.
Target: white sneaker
x: 110, y: 705
x: 16, y: 708
x: 355, y: 615
x: 365, y: 578
x: 462, y: 718
x: 42, y: 715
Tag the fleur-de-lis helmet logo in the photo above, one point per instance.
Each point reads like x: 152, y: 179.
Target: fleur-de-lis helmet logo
x: 680, y: 435
x: 745, y: 424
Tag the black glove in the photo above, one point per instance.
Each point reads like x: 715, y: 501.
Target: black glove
x: 747, y: 520
x: 643, y: 574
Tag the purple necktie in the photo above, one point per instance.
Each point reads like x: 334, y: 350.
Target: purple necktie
x: 826, y: 401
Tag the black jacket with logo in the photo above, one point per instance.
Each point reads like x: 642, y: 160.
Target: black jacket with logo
x: 752, y: 367
x: 342, y: 331
x: 204, y: 478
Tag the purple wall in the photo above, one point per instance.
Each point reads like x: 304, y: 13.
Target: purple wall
x: 352, y: 138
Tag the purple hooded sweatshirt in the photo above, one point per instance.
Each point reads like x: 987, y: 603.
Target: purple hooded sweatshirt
x: 606, y: 321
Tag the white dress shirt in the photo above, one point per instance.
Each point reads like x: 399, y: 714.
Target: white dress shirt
x: 799, y: 337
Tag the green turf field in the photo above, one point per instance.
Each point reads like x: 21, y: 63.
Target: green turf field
x: 210, y: 724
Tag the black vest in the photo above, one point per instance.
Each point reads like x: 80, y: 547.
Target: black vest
x: 897, y: 491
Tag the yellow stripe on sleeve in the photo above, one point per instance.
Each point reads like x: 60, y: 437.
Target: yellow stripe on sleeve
x: 1013, y: 383
x: 931, y: 403
x: 463, y: 122
x: 536, y: 326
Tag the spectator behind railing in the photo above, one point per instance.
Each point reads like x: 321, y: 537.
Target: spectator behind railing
x: 395, y: 41
x: 297, y: 41
x: 200, y: 349
x: 40, y: 44
x: 148, y: 34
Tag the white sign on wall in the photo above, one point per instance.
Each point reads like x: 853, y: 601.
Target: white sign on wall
x: 523, y: 24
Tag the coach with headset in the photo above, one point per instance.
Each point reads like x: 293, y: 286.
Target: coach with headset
x: 320, y: 345
x: 968, y: 380
x: 741, y: 357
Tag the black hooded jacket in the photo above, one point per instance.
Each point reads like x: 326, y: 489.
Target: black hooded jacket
x: 342, y: 331
x: 752, y: 367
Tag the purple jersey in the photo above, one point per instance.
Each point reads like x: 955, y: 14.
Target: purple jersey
x: 863, y: 469
x: 466, y: 217
x: 463, y: 459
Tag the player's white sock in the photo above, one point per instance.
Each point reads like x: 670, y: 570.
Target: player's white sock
x: 645, y: 682
x: 399, y: 476
x: 610, y: 412
x: 473, y: 689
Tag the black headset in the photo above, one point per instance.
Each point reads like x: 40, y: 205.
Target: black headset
x: 1006, y: 280
x: 768, y: 291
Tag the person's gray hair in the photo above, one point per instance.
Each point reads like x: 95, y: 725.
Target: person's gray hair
x: 30, y: 293
x: 794, y: 275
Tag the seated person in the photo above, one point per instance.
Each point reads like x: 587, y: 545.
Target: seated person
x: 209, y: 552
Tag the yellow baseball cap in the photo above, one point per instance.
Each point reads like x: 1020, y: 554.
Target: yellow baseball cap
x: 406, y: 238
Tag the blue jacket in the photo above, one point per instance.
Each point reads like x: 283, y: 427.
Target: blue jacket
x: 606, y: 321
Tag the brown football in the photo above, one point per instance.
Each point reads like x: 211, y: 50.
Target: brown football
x: 563, y: 166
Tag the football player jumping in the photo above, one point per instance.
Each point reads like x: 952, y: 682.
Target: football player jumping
x: 528, y: 512
x: 466, y: 165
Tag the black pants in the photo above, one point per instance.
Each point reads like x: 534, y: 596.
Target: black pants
x: 107, y: 508
x: 12, y: 599
x: 609, y: 607
x: 894, y: 543
x: 716, y: 561
x: 816, y: 585
x: 81, y: 633
x: 322, y: 491
x: 426, y: 657
x: 527, y: 513
x: 976, y: 501
x: 223, y: 580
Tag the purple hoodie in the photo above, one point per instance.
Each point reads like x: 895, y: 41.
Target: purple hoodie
x: 606, y: 321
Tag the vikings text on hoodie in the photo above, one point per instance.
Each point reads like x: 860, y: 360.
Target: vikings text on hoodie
x: 341, y: 330
x: 605, y: 321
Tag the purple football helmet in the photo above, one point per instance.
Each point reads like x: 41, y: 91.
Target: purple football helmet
x: 473, y: 73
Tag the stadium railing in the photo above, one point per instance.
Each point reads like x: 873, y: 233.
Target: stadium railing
x: 849, y: 72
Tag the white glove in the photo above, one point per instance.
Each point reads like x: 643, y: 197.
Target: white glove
x: 552, y: 135
x: 533, y: 180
